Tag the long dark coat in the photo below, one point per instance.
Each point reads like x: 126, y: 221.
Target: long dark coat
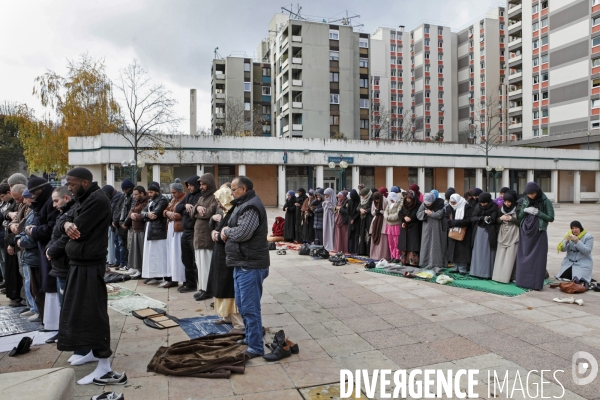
x: 298, y: 218
x: 289, y: 230
x: 220, y: 277
x: 410, y: 233
x: 460, y: 251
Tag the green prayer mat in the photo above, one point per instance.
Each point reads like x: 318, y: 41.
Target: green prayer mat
x: 471, y: 282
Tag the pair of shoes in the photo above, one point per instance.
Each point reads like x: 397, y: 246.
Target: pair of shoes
x: 569, y: 300
x: 185, y: 289
x: 109, y: 396
x: 203, y: 296
x: 111, y: 378
x: 222, y: 322
x: 339, y: 257
x: 35, y: 318
x: 22, y: 348
x: 340, y: 262
x: 281, y: 347
x: 53, y: 339
x: 162, y: 284
x: 463, y: 273
x: 124, y: 268
x: 370, y: 265
x: 129, y: 271
x: 242, y: 341
x: 169, y: 285
x: 3, y: 285
x: 26, y: 314
x: 454, y: 270
x: 199, y: 293
x: 280, y: 253
x: 3, y: 290
x: 136, y: 275
x: 112, y: 266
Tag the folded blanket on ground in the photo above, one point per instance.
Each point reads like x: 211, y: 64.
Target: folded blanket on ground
x: 213, y: 356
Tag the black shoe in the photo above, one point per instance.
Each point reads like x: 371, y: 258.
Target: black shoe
x: 111, y: 378
x: 279, y: 353
x: 53, y: 339
x: 185, y: 289
x: 204, y: 296
x: 250, y: 356
x: 463, y: 273
x: 22, y: 348
x: 199, y: 293
x: 109, y: 396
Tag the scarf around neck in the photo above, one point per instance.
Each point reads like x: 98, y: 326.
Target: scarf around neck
x: 560, y: 246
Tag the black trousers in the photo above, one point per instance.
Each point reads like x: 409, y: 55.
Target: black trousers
x: 36, y: 290
x: 187, y: 258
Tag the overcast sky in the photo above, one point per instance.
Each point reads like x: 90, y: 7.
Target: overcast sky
x: 174, y: 40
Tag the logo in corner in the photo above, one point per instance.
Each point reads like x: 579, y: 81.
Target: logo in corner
x: 582, y: 363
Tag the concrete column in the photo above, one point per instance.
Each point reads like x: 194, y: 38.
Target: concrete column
x: 421, y: 179
x: 156, y: 173
x: 576, y: 187
x: 281, y: 189
x: 450, y: 177
x: 242, y: 170
x: 597, y: 183
x: 479, y: 178
x: 530, y: 175
x: 319, y: 172
x: 389, y: 177
x: 144, y: 181
x: 506, y: 178
x: 356, y: 177
x: 110, y: 175
x: 200, y: 170
x: 554, y: 184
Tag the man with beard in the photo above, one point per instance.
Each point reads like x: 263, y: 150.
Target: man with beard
x: 185, y: 208
x: 203, y: 211
x: 13, y: 215
x: 84, y: 322
x: 138, y: 226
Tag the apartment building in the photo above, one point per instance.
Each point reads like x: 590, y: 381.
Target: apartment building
x: 481, y: 68
x: 414, y: 83
x: 241, y: 97
x: 554, y: 71
x: 319, y: 67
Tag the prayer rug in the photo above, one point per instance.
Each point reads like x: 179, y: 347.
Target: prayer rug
x: 201, y: 326
x: 134, y: 301
x: 117, y: 291
x: 11, y: 323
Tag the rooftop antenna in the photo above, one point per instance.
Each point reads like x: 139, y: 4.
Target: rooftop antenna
x: 217, y: 55
x: 347, y: 20
x: 294, y: 14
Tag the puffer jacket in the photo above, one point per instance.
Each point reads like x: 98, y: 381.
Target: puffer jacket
x: 202, y: 231
x: 318, y: 221
x: 157, y: 229
x: 31, y: 252
x: 190, y: 198
x: 178, y: 217
x: 137, y: 225
x: 391, y: 213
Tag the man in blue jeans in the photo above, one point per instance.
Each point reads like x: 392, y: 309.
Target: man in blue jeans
x: 247, y: 251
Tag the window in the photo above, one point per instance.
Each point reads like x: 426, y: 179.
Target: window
x: 544, y: 40
x: 441, y: 70
x: 596, y: 125
x: 440, y: 57
x: 535, y: 26
x: 364, y: 82
x: 596, y: 82
x: 441, y: 121
x: 544, y: 76
x: 364, y: 103
x: 427, y: 120
x: 266, y: 90
x: 482, y: 78
x: 427, y: 94
x: 536, y: 79
x: 427, y: 81
x: 334, y: 77
x: 545, y: 113
x: 427, y: 68
x: 392, y: 35
x: 334, y: 120
x: 266, y: 110
x: 482, y: 64
x: 596, y: 41
x: 535, y: 9
x: 246, y: 86
x: 536, y: 97
x: 393, y: 72
x: 392, y: 47
x: 596, y: 61
x: 363, y: 63
x: 246, y: 106
x: 440, y: 95
x: 362, y: 42
x: 426, y: 29
x: 501, y: 27
x: 483, y: 92
x: 544, y: 95
x: 364, y: 124
x: 544, y: 4
x: 393, y: 85
x: 266, y: 72
x: 246, y: 67
x: 536, y: 115
x: 427, y: 56
x: 544, y: 131
x: 426, y: 42
x: 393, y: 60
x: 334, y: 34
x: 536, y: 132
x: 544, y: 22
x: 334, y: 55
x: 440, y: 30
x: 596, y: 103
x: 334, y: 98
x: 536, y: 44
x: 544, y: 58
x: 595, y: 2
x: 536, y: 61
x: 399, y: 60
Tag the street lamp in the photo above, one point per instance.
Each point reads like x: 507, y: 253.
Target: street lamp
x: 343, y: 165
x: 133, y: 168
x: 496, y: 175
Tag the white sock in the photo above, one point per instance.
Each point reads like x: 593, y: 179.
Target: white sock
x: 89, y: 357
x: 74, y: 357
x: 102, y: 368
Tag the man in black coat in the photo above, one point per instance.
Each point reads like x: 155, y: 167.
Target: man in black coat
x: 84, y: 322
x: 124, y: 205
x: 185, y: 208
x: 116, y: 202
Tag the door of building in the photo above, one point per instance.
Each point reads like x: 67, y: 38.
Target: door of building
x: 329, y: 183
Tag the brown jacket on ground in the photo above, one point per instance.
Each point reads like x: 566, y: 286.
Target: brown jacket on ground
x: 177, y: 218
x: 212, y: 356
x: 202, y: 231
x: 138, y: 224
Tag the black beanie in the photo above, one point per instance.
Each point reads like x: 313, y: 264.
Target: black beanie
x: 81, y: 173
x: 109, y: 190
x: 155, y: 186
x: 127, y: 184
x: 35, y: 183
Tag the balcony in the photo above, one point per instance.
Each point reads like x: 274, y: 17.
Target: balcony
x: 297, y: 39
x: 514, y: 26
x: 219, y: 75
x: 285, y: 85
x: 515, y: 125
x: 296, y: 104
x: 515, y: 42
x: 296, y: 60
x: 515, y: 75
x: 285, y: 128
x: 515, y: 109
x: 515, y: 9
x: 285, y: 107
x: 220, y: 95
x: 220, y: 115
x: 284, y: 64
x: 296, y: 127
x: 283, y: 43
x: 515, y: 59
x: 515, y: 92
x: 296, y: 82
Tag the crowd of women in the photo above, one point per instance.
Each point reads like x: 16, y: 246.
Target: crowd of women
x: 504, y: 239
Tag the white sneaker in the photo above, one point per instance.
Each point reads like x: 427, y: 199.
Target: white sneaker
x: 136, y: 275
x: 34, y: 318
x: 131, y: 271
x: 26, y: 314
x: 123, y: 269
x: 162, y: 284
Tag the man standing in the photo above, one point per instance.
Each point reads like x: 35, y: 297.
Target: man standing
x: 124, y: 205
x: 247, y: 251
x: 13, y: 215
x: 84, y: 320
x: 185, y: 208
x: 138, y: 226
x: 116, y: 202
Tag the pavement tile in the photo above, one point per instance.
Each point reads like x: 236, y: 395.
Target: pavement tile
x: 381, y: 339
x: 563, y: 311
x: 272, y: 308
x: 571, y: 328
x: 404, y: 318
x: 338, y: 328
x: 418, y: 304
x: 383, y: 288
x: 318, y: 371
x: 183, y: 387
x: 317, y: 330
x: 272, y: 378
x: 39, y: 357
x: 288, y: 394
x: 466, y: 326
x: 151, y: 388
x: 439, y: 314
x: 384, y: 308
x: 350, y: 312
x: 500, y: 321
x: 312, y: 316
x: 368, y: 299
x: 456, y: 348
x: 335, y: 302
x: 368, y: 360
x: 472, y: 310
x: 309, y: 350
x: 481, y: 362
x: 366, y: 324
x: 343, y: 345
x: 138, y: 331
x: 504, y: 305
x: 135, y: 365
x: 399, y: 296
x: 413, y: 355
x: 139, y: 346
x: 278, y: 319
x: 533, y: 315
x: 428, y: 332
x: 292, y: 331
x: 534, y: 334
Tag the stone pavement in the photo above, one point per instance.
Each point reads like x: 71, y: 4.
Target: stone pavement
x: 345, y: 317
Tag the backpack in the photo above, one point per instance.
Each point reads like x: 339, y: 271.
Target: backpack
x: 278, y: 226
x: 304, y: 250
x: 313, y: 250
x: 323, y: 253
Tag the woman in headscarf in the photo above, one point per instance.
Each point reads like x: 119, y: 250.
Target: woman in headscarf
x: 379, y: 242
x: 415, y: 188
x: 392, y: 219
x: 508, y: 238
x: 340, y: 238
x: 174, y: 233
x: 329, y: 219
x: 317, y: 209
x: 409, y: 241
x: 485, y: 239
x: 300, y: 198
x: 289, y: 229
x: 220, y: 279
x: 435, y: 193
x: 308, y: 217
x: 578, y: 244
x: 535, y: 214
x: 459, y: 217
x: 500, y: 199
x: 154, y: 260
x: 473, y: 198
x: 384, y: 192
x: 353, y: 220
x: 365, y: 219
x: 434, y: 234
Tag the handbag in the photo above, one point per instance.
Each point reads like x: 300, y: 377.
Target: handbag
x: 304, y: 249
x: 572, y: 287
x: 457, y: 234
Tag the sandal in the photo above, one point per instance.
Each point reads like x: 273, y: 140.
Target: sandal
x: 280, y: 252
x: 161, y: 322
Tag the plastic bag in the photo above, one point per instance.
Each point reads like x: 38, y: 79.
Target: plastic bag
x: 444, y: 279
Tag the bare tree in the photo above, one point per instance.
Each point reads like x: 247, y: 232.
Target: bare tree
x: 149, y: 114
x: 258, y: 122
x: 383, y: 123
x: 203, y: 131
x: 407, y: 126
x: 234, y: 117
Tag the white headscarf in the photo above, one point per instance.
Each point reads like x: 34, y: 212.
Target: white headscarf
x: 393, y: 196
x: 459, y: 207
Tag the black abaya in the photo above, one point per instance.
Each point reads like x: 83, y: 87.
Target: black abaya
x: 13, y: 279
x: 532, y: 254
x: 289, y: 229
x: 220, y: 278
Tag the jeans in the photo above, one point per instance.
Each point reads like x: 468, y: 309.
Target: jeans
x: 121, y: 252
x: 248, y: 285
x: 27, y: 284
x: 61, y: 284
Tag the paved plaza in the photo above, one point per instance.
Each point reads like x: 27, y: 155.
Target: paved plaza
x: 345, y: 317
